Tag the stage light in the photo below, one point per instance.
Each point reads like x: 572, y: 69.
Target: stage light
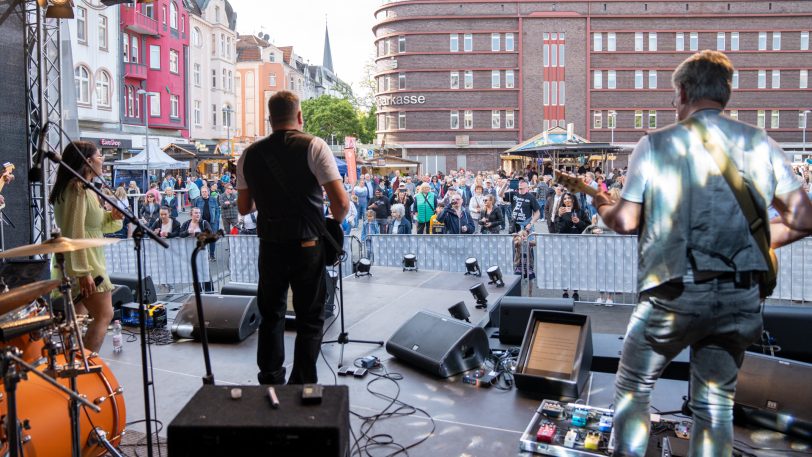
x: 363, y: 267
x: 496, y: 276
x: 480, y: 293
x: 472, y: 267
x: 460, y: 311
x: 57, y: 9
x: 409, y: 262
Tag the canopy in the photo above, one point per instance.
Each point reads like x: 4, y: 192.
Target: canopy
x: 342, y: 166
x: 558, y: 141
x: 158, y: 160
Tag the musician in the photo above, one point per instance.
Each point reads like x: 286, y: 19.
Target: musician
x: 7, y: 178
x: 79, y: 214
x: 699, y: 266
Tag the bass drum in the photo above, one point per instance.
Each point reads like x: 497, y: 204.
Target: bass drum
x: 46, y: 411
x: 31, y: 344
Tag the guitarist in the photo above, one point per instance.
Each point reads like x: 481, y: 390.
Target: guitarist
x: 699, y: 266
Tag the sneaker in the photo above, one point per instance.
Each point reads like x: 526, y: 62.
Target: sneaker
x: 566, y: 295
x: 599, y: 301
x: 575, y: 297
x: 609, y: 301
x: 212, y: 259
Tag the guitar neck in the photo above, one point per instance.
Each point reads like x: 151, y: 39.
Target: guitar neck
x: 574, y: 184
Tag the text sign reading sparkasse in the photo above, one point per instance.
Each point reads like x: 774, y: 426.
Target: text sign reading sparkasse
x: 401, y: 100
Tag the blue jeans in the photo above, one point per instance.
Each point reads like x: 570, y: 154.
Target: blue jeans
x: 718, y: 319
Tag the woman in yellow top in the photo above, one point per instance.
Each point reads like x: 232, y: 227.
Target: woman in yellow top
x: 79, y: 214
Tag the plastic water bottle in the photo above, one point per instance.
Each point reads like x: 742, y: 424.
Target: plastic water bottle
x: 117, y: 346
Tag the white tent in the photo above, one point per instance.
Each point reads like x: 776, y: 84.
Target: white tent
x: 154, y: 159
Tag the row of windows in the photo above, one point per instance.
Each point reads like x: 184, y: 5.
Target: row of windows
x: 554, y: 93
x: 132, y: 102
x: 499, y: 42
x: 130, y: 53
x: 761, y: 117
x: 648, y: 42
x: 148, y: 10
x: 226, y: 112
x: 81, y: 29
x: 454, y: 80
x: 103, y: 87
x: 640, y: 79
x: 552, y: 54
x: 227, y: 78
x: 467, y: 117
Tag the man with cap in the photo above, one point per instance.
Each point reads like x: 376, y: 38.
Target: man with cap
x: 380, y: 204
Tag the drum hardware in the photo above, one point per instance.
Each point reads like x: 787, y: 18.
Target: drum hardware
x: 24, y: 295
x: 99, y: 437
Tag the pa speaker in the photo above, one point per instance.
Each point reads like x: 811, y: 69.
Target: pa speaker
x: 775, y: 393
x: 438, y: 344
x: 229, y: 318
x: 787, y: 327
x: 131, y: 281
x: 214, y: 424
x: 514, y: 312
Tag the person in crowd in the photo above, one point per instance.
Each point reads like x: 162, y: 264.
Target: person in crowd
x: 437, y: 227
x: 526, y: 209
x: 464, y: 190
x: 436, y: 187
x: 689, y: 296
x: 491, y: 218
x: 168, y: 182
x: 228, y: 205
x: 180, y: 183
x: 209, y: 212
x: 195, y: 225
x: 523, y: 256
x: 404, y: 198
x: 132, y: 193
x: 192, y: 191
x: 249, y: 224
x: 400, y: 223
x: 362, y: 192
x: 170, y: 201
x: 166, y: 226
x: 380, y: 204
x: 489, y: 188
x: 477, y: 203
x: 349, y: 221
x: 410, y: 186
x: 543, y: 191
x: 601, y: 180
x: 425, y: 204
x: 79, y: 214
x: 456, y: 218
x: 586, y: 200
x: 571, y: 218
x: 369, y: 227
x: 149, y: 211
x: 551, y: 208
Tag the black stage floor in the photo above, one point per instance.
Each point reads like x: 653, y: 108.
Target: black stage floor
x: 469, y: 421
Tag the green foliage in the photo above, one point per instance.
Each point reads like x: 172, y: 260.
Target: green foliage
x: 328, y: 115
x: 369, y: 126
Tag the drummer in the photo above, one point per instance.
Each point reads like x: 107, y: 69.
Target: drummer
x: 79, y: 214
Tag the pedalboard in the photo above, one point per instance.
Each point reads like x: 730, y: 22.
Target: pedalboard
x: 569, y: 429
x: 156, y: 315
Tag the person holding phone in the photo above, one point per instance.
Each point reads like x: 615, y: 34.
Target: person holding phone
x: 571, y: 218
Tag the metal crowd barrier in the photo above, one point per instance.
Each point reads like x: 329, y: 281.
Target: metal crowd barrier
x: 444, y: 252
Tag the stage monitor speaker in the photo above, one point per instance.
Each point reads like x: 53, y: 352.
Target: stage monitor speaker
x: 556, y: 355
x: 775, y: 393
x: 214, y: 424
x: 131, y: 281
x: 514, y: 312
x: 439, y: 344
x: 787, y: 328
x: 229, y: 318
x: 250, y: 290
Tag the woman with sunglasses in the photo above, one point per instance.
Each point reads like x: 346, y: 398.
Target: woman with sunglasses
x: 150, y: 211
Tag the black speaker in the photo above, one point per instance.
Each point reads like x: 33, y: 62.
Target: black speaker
x: 514, y: 313
x: 775, y: 393
x: 214, y: 424
x: 788, y: 328
x: 438, y: 344
x: 131, y: 281
x: 229, y: 318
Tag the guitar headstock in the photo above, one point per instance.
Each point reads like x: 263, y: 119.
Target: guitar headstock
x: 573, y: 183
x: 8, y: 168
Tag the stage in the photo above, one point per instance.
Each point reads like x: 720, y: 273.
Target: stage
x: 468, y: 421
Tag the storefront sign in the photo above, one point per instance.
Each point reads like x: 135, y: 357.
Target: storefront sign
x: 463, y: 140
x: 400, y: 100
x: 111, y: 143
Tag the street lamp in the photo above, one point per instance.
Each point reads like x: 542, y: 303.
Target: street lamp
x: 805, y: 113
x: 612, y: 120
x: 146, y: 95
x: 227, y: 122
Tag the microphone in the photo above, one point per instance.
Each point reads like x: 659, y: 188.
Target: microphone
x: 35, y: 173
x: 209, y: 237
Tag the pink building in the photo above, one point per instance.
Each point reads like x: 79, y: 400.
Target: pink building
x: 155, y: 42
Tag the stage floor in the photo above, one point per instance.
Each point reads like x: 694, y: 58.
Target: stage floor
x: 469, y: 421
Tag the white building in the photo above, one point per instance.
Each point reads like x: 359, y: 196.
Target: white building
x: 212, y: 69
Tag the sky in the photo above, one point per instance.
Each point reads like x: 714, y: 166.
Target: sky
x: 300, y: 23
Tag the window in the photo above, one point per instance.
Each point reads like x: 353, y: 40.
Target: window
x: 173, y: 15
x: 130, y: 102
x: 469, y: 79
x: 103, y: 89
x: 495, y: 79
x: 148, y: 11
x: 638, y: 41
x: 217, y: 14
x: 155, y: 104
x: 401, y: 43
x: 455, y: 79
x: 735, y: 82
x: 174, y: 106
x: 561, y: 93
x: 214, y: 115
x: 611, y: 119
x: 102, y: 32
x: 154, y: 57
x: 509, y: 79
x: 734, y: 41
x: 611, y: 79
x: 734, y: 114
x: 496, y: 44
x: 214, y: 79
x: 611, y: 42
x: 163, y: 15
x: 272, y: 80
x: 230, y: 81
x: 652, y: 79
x: 401, y: 121
x: 173, y: 61
x: 509, y: 119
x: 401, y: 80
x: 545, y: 55
x: 762, y: 41
x: 680, y: 44
x: 597, y: 119
x: 546, y: 93
x: 213, y: 44
x: 454, y: 42
x: 652, y: 41
x: 468, y: 42
x: 694, y: 41
x: 774, y: 119
x: 720, y: 41
x: 762, y: 79
x: 776, y: 41
x: 760, y: 120
x: 554, y: 93
x: 597, y: 41
x: 652, y: 119
x: 561, y: 54
x: 385, y: 83
x: 81, y: 24
x: 804, y: 41
x: 222, y: 46
x: 510, y: 45
x: 597, y: 79
x: 802, y: 119
x: 125, y: 47
x: 387, y: 47
x: 225, y: 79
x: 196, y: 40
x: 776, y: 79
x: 196, y: 113
x: 638, y: 79
x: 496, y: 119
x: 638, y: 119
x: 134, y: 54
x: 468, y: 119
x: 455, y: 119
x: 553, y: 55
x: 803, y: 80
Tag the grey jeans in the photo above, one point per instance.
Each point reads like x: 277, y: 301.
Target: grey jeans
x: 718, y: 319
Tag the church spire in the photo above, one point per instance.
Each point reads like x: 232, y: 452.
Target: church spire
x: 327, y: 60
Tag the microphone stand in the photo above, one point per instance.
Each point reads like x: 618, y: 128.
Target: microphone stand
x: 202, y: 240
x: 138, y: 238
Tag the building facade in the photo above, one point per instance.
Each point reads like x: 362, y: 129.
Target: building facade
x: 459, y: 82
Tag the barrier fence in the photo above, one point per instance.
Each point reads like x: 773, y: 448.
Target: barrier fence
x: 596, y: 263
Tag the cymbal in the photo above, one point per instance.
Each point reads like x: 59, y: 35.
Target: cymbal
x: 57, y: 245
x: 24, y: 295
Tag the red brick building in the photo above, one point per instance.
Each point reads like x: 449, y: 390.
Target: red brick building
x: 460, y: 81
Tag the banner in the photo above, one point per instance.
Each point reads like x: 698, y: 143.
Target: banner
x: 349, y: 157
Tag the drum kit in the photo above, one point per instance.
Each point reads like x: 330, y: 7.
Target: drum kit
x: 46, y: 370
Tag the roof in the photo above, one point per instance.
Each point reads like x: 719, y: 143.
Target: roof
x: 287, y: 53
x: 556, y: 139
x: 249, y: 48
x: 327, y: 59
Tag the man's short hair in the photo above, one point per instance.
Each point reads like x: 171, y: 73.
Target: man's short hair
x: 706, y: 75
x: 283, y: 107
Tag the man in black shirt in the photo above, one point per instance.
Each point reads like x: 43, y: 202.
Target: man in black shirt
x: 380, y: 204
x: 526, y: 209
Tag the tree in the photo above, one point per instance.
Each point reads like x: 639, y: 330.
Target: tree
x: 328, y: 116
x: 369, y: 124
